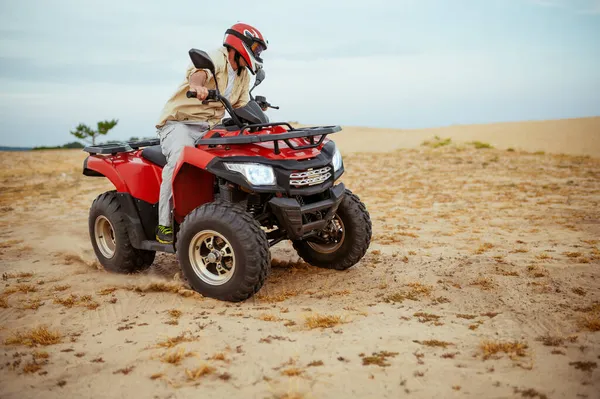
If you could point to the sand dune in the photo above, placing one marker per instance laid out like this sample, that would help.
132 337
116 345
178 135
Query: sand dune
566 136
483 279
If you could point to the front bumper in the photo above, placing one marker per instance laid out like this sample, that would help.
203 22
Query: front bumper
283 169
289 212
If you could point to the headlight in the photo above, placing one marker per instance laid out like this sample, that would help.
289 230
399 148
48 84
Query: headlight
337 160
256 174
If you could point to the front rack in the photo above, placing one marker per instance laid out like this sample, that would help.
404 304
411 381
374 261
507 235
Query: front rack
308 133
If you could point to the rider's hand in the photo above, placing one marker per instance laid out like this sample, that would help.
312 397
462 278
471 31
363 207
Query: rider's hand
201 92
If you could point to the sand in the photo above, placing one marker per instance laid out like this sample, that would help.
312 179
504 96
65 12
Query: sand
482 279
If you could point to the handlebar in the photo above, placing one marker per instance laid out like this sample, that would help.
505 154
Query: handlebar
212 95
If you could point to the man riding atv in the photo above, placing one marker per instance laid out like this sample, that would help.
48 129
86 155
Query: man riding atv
184 119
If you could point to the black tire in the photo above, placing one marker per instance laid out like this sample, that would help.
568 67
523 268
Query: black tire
247 240
125 258
357 237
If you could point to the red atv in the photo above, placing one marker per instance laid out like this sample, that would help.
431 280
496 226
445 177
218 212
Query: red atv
247 185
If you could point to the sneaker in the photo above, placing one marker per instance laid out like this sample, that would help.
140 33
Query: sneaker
164 234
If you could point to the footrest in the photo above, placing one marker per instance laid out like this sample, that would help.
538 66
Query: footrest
157 246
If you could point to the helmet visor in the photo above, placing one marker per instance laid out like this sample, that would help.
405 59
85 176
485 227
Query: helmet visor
257 48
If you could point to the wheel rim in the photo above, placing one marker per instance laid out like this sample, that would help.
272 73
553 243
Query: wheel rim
335 225
105 236
212 258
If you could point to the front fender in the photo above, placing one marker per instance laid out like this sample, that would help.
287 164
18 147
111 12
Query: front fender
192 184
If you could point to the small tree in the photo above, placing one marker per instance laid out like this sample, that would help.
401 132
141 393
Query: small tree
84 132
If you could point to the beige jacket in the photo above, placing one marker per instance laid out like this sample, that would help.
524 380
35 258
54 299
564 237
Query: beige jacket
181 108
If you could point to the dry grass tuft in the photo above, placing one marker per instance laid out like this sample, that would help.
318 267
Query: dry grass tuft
22 288
378 358
466 316
484 248
175 315
475 325
278 297
31 368
60 288
591 323
449 355
156 376
548 340
10 243
479 145
537 271
292 372
175 357
174 341
315 363
32 304
107 291
219 356
543 256
426 317
3 302
167 287
125 370
322 321
6 276
435 343
36 336
333 293
491 348
40 355
74 300
584 366
437 142
485 283
268 317
199 372
491 315
415 293
572 254
519 251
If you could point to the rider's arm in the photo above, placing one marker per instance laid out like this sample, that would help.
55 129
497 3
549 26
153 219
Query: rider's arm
198 78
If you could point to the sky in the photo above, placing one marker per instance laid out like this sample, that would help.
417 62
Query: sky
397 64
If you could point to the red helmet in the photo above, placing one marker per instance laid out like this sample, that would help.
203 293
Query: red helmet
248 42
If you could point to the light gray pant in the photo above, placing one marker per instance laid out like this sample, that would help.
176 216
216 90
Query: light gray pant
173 137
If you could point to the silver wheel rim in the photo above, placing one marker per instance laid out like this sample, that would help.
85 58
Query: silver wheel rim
212 258
334 246
105 236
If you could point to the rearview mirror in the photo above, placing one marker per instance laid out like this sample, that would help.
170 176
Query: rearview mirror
260 76
201 60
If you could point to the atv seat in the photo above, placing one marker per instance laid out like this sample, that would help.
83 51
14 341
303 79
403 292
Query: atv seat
154 154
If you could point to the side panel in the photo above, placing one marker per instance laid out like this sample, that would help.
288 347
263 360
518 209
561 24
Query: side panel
129 173
143 178
192 185
104 167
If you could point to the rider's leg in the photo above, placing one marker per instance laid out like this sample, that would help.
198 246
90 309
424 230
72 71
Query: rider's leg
173 137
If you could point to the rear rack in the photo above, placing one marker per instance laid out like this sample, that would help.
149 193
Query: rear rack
115 148
308 133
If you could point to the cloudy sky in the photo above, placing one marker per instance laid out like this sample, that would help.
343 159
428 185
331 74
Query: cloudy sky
397 63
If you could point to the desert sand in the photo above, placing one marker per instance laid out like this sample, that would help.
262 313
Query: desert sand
482 280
